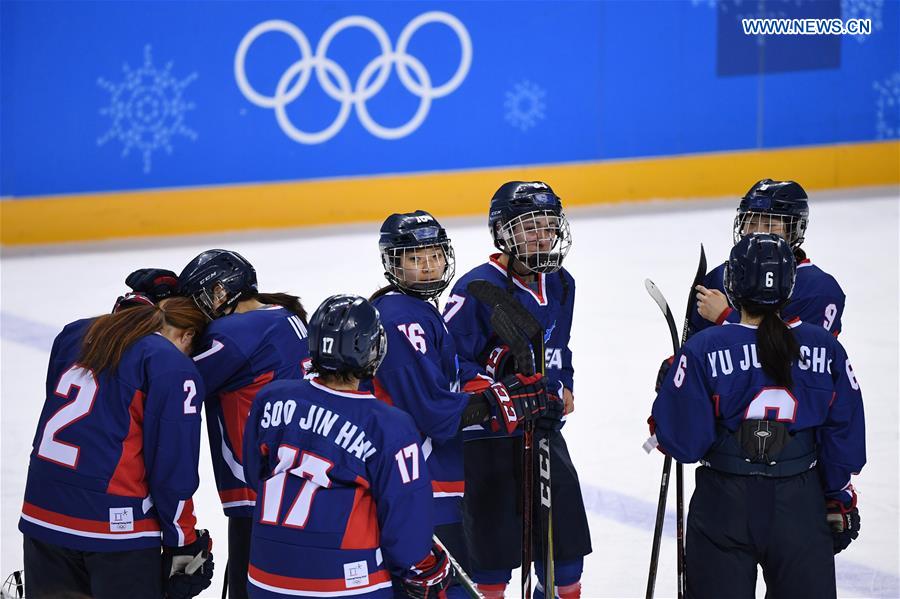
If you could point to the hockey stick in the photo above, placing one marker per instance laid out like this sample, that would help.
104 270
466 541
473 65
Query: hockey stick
657 296
522 319
461 577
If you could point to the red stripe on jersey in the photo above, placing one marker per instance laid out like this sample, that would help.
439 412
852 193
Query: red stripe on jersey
312 584
381 393
448 486
539 295
476 385
715 399
362 530
83 524
130 477
724 315
235 408
242 494
187 522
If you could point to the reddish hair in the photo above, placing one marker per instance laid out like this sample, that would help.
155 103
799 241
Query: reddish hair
111 335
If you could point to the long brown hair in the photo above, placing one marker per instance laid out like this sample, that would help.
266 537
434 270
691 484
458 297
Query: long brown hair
112 334
289 302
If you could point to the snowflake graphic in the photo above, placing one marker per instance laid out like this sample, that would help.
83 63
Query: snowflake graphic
887 107
525 105
864 9
146 109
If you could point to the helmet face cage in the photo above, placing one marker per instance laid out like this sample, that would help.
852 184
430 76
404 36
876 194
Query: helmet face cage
789 227
205 299
424 270
540 239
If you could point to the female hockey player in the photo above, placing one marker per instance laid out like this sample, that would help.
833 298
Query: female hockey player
343 485
254 338
782 208
115 458
530 229
419 374
774 414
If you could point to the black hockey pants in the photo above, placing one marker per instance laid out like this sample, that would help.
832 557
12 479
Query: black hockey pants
52 571
736 522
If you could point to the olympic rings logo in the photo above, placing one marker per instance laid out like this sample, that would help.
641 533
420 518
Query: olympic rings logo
371 80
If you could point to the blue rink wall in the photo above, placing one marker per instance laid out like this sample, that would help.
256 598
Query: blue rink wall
147 118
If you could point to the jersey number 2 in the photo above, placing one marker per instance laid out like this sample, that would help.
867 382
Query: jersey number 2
311 467
85 385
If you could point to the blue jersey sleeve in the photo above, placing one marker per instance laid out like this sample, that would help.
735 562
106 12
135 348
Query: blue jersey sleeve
401 486
219 359
842 437
567 374
824 310
684 410
416 384
172 450
469 323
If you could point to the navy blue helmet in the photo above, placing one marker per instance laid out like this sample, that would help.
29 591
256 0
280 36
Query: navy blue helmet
528 223
346 336
760 270
770 206
416 254
220 275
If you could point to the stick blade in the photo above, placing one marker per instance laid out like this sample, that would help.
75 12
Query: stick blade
656 294
515 338
492 295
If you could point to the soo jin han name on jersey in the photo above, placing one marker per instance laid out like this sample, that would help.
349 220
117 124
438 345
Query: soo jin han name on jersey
320 421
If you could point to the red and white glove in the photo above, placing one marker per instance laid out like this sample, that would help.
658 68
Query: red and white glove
431 576
516 399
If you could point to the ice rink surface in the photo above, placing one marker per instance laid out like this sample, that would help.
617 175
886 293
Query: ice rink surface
618 339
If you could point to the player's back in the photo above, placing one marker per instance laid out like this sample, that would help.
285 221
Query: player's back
722 365
89 474
254 347
344 492
239 355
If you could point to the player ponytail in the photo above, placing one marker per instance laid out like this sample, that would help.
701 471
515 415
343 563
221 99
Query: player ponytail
110 335
775 344
289 302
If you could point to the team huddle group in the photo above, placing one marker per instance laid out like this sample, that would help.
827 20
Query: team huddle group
383 448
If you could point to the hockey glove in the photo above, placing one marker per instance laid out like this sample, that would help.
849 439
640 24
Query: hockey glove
188 570
551 419
843 518
663 371
155 283
500 363
131 300
430 576
515 399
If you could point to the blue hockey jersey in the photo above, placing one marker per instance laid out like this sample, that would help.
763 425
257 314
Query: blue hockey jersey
344 492
717 378
114 459
551 300
817 299
241 353
420 376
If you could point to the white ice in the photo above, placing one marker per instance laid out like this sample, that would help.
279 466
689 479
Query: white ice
618 341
